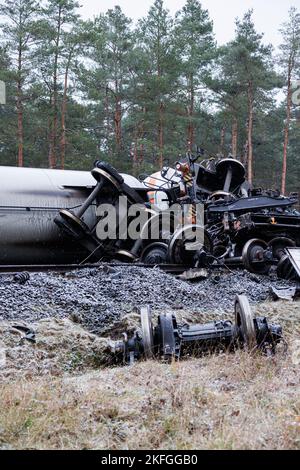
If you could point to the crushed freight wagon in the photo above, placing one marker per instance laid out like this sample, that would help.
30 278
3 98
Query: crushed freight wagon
51 216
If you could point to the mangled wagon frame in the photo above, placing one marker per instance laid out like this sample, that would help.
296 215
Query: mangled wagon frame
240 226
51 216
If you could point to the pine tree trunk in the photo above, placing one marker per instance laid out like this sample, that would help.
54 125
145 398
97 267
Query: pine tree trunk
234 141
250 133
141 159
135 156
118 121
161 135
287 128
107 115
244 156
160 110
20 128
135 153
222 142
53 126
20 132
191 107
63 117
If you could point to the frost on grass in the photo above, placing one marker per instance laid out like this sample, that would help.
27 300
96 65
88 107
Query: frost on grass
63 393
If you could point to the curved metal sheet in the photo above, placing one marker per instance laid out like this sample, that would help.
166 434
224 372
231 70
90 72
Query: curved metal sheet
30 199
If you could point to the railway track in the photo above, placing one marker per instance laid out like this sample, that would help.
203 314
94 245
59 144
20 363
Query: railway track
64 268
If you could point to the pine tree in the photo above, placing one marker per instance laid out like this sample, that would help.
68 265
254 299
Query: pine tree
8 134
101 89
229 95
76 44
158 79
106 82
196 46
18 30
117 58
254 73
58 17
290 62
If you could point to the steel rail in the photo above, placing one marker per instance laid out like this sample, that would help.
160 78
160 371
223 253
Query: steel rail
64 268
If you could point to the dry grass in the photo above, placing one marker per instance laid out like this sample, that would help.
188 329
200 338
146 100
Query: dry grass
230 401
224 402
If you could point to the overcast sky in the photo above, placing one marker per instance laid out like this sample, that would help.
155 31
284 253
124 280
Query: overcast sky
268 14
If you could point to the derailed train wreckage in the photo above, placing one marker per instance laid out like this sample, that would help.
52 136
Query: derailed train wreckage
240 226
51 217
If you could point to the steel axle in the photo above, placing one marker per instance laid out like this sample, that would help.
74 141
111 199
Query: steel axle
170 340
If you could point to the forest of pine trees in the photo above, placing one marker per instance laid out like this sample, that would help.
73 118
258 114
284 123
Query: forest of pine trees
139 95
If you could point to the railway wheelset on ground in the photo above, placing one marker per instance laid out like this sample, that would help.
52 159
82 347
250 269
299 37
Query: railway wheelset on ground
170 340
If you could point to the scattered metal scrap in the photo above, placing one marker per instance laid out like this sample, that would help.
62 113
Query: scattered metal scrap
294 254
195 274
289 264
170 340
29 333
285 293
22 278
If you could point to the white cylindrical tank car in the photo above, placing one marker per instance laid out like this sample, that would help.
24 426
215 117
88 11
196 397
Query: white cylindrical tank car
30 199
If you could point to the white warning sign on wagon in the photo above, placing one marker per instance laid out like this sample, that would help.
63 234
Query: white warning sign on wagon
2 92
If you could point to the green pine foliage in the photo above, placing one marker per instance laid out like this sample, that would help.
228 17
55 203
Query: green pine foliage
141 94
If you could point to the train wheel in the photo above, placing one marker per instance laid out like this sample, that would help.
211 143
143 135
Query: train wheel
71 224
147 332
244 320
253 256
186 242
125 255
155 253
160 226
279 244
168 334
217 195
112 178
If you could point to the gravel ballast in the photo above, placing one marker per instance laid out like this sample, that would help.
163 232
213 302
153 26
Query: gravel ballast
96 298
